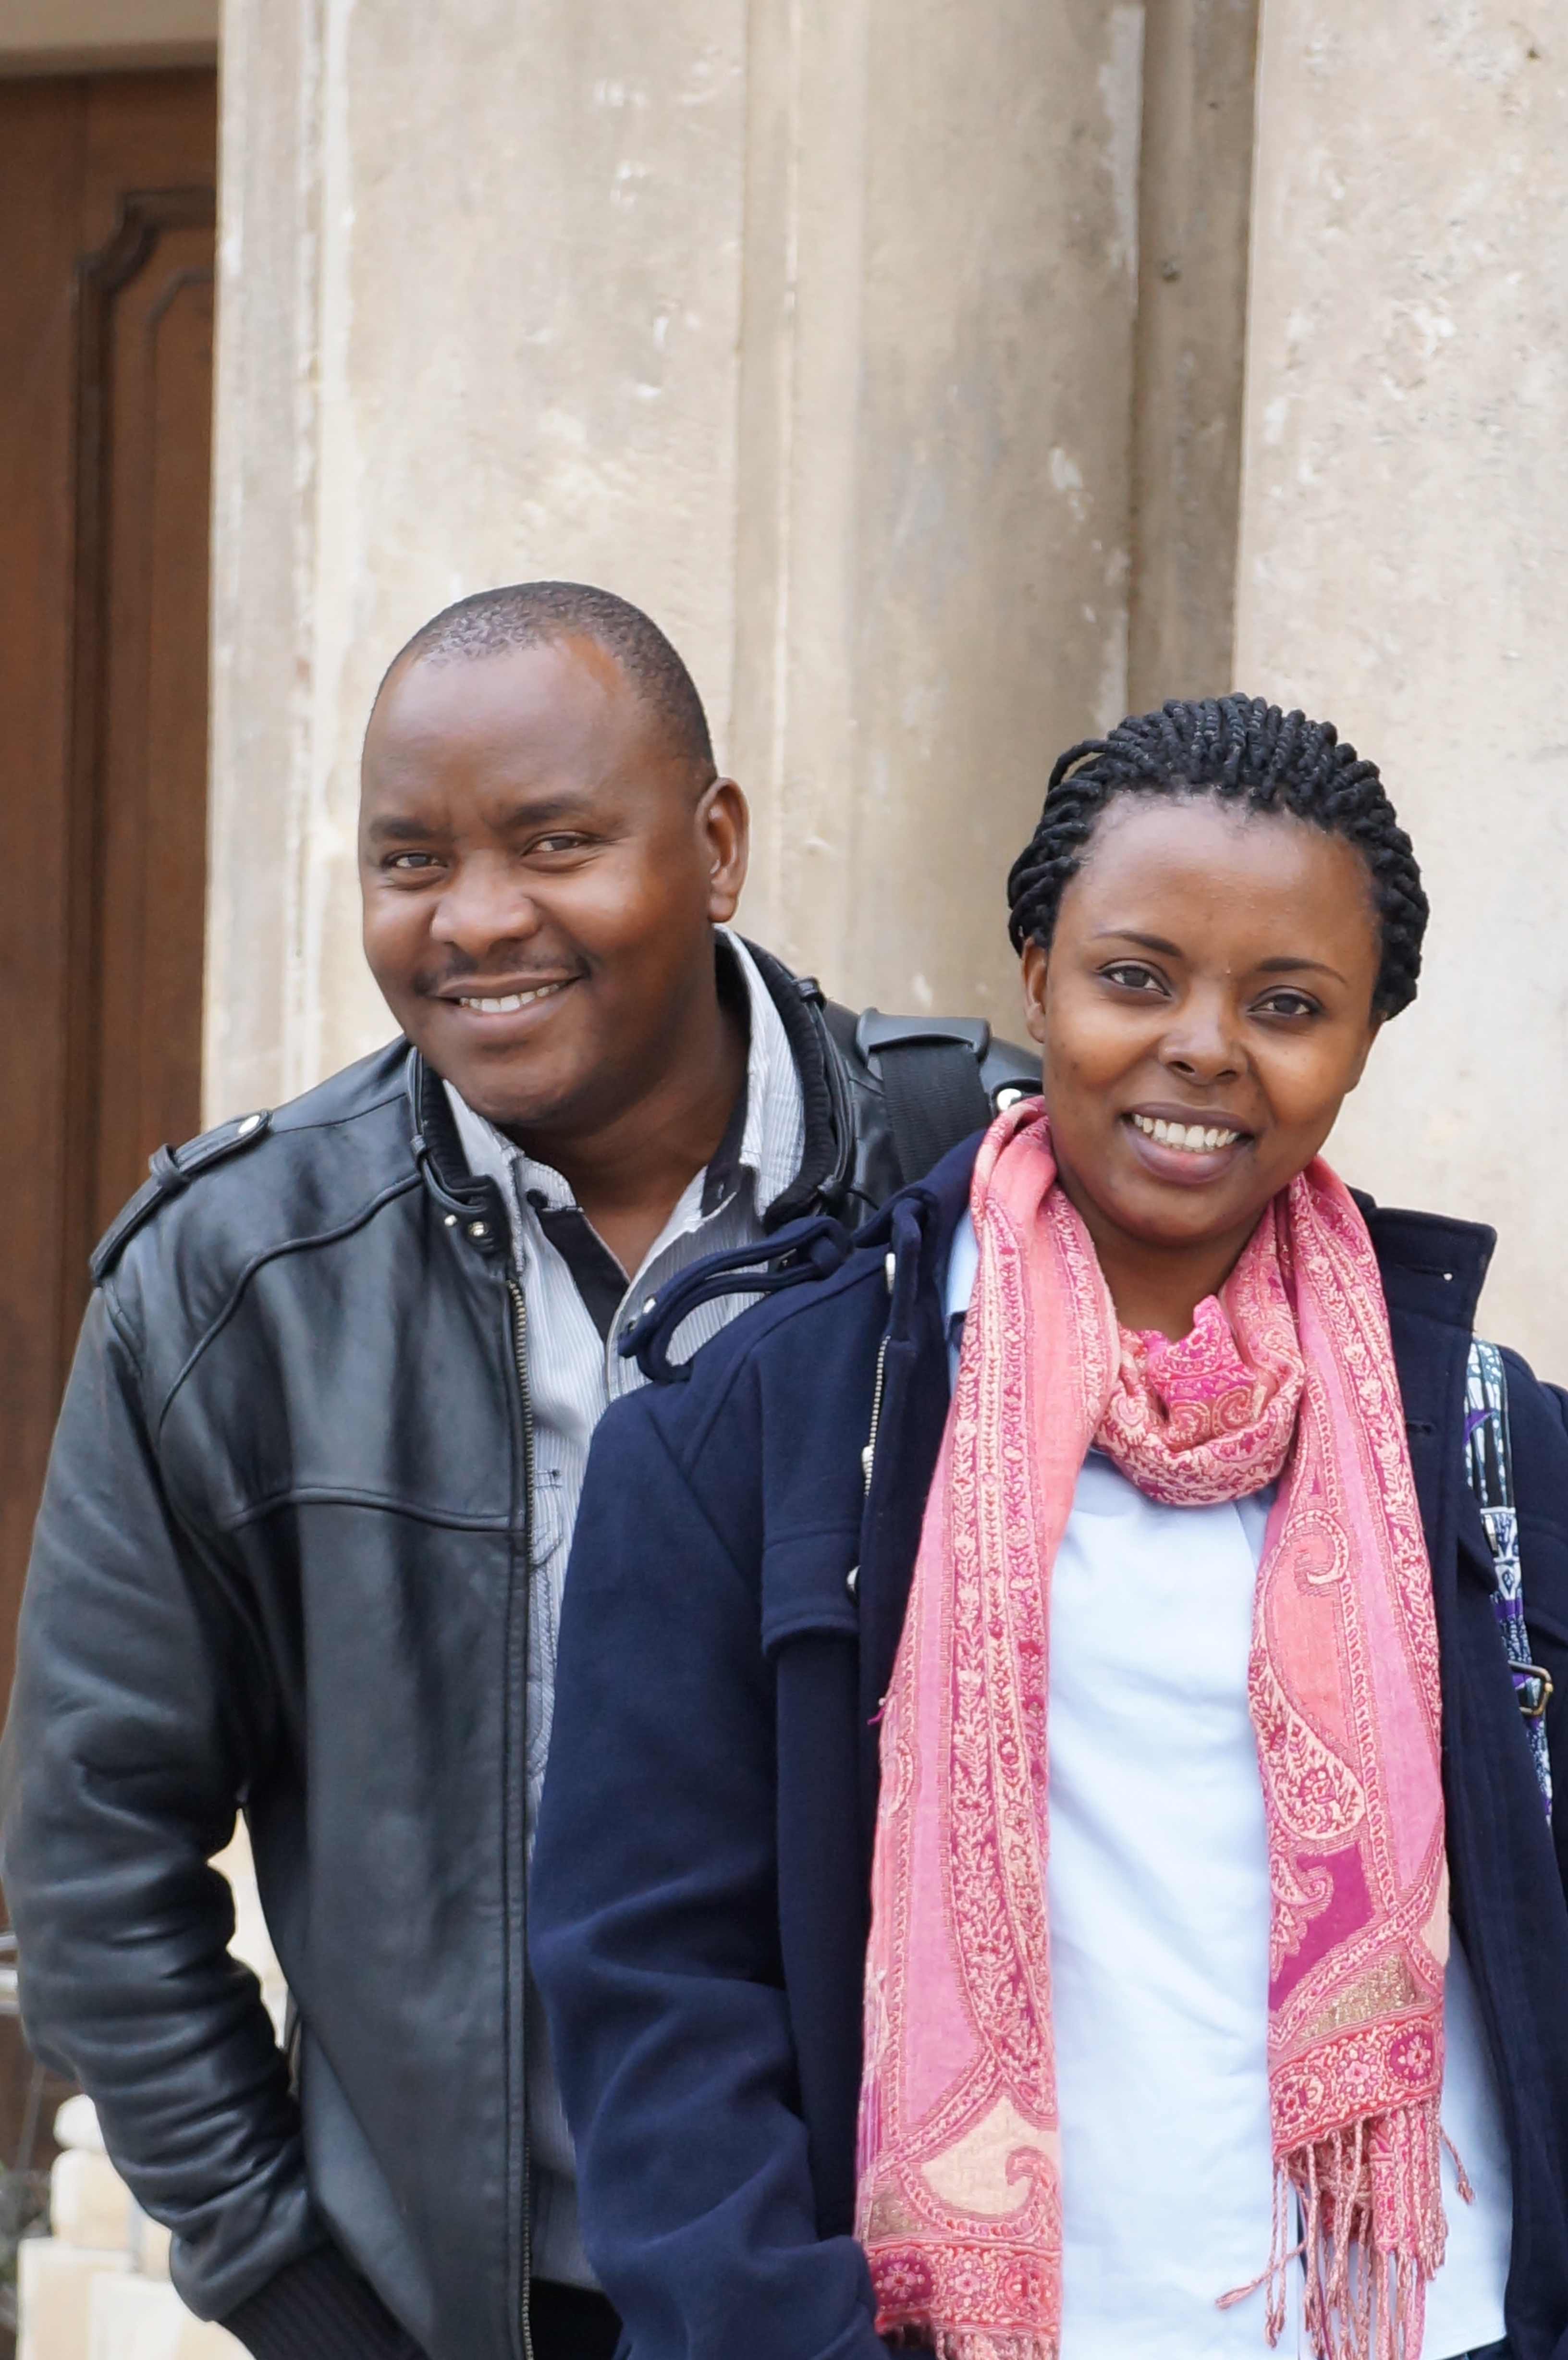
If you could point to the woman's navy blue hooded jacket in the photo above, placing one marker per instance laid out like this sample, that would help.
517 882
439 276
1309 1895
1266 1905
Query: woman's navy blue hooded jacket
699 1904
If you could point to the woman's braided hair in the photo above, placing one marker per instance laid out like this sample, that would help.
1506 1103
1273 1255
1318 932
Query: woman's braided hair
1243 751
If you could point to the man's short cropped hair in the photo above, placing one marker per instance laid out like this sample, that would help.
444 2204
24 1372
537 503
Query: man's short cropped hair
538 614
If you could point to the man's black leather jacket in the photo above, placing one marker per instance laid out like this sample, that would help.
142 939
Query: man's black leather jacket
281 1566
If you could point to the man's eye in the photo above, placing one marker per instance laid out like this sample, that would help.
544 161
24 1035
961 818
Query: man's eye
413 861
1134 976
560 843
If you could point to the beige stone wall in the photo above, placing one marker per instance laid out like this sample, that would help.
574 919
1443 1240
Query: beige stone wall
805 323
480 313
819 327
1404 557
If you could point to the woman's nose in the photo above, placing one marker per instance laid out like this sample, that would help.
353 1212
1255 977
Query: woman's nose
1203 1047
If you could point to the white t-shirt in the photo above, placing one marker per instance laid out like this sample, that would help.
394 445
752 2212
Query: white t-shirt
1157 1884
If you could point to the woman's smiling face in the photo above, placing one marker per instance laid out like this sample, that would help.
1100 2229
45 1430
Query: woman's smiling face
1203 1010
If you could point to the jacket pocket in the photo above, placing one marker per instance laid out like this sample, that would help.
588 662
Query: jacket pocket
807 1585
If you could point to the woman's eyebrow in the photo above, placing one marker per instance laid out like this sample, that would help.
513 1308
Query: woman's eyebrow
1292 965
1287 963
1145 942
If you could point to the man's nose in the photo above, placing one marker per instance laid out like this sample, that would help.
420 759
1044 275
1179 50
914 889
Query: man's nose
486 902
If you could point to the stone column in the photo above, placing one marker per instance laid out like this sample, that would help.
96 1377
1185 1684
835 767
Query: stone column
97 2288
932 584
1404 557
1194 209
808 327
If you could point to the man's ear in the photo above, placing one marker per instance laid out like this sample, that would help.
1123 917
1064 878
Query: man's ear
1035 964
725 824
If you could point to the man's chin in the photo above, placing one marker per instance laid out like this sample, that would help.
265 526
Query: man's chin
515 1088
519 1110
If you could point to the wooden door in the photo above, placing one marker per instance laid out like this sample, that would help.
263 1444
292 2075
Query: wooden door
106 252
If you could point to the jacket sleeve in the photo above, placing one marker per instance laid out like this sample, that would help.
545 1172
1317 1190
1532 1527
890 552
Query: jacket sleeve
139 1703
654 1936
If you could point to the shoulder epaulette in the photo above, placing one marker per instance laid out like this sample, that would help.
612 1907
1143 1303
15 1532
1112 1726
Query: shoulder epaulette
170 1171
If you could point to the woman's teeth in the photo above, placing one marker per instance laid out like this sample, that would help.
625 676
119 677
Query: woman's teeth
1190 1138
512 999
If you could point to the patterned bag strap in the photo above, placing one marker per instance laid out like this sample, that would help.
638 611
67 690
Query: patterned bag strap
1490 1459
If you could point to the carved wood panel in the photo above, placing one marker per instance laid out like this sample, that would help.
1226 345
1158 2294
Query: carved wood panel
138 706
107 256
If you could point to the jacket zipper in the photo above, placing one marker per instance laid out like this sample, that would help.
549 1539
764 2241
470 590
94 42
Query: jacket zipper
868 1456
521 1363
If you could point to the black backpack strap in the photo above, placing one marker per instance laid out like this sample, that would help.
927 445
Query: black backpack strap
930 1072
1489 1462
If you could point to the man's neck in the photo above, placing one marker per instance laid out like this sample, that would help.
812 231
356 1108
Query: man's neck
628 1174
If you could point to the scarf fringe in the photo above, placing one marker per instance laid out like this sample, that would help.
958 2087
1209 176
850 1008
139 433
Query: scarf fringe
1374 2235
971 2343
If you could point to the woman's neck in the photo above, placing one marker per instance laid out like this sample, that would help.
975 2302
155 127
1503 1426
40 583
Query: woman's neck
1156 1286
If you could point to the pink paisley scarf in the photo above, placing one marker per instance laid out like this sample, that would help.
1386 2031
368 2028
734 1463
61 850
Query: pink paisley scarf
1288 1373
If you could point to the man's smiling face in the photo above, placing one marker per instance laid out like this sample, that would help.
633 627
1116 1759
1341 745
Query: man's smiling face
541 870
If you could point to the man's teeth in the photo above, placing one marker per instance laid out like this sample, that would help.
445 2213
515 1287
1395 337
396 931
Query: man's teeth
1191 1137
512 999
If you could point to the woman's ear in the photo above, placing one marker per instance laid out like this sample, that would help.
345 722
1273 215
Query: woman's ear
1035 962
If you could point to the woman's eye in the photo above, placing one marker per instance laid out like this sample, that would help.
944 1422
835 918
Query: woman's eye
1288 1003
1134 976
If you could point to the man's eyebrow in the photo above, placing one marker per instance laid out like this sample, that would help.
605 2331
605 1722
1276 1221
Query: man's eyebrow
391 827
538 811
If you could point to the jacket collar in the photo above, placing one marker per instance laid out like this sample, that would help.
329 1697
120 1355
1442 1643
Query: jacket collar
1432 1267
1433 1270
941 1199
438 1150
827 1156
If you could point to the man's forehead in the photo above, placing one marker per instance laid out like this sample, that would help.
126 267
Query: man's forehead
572 684
539 721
